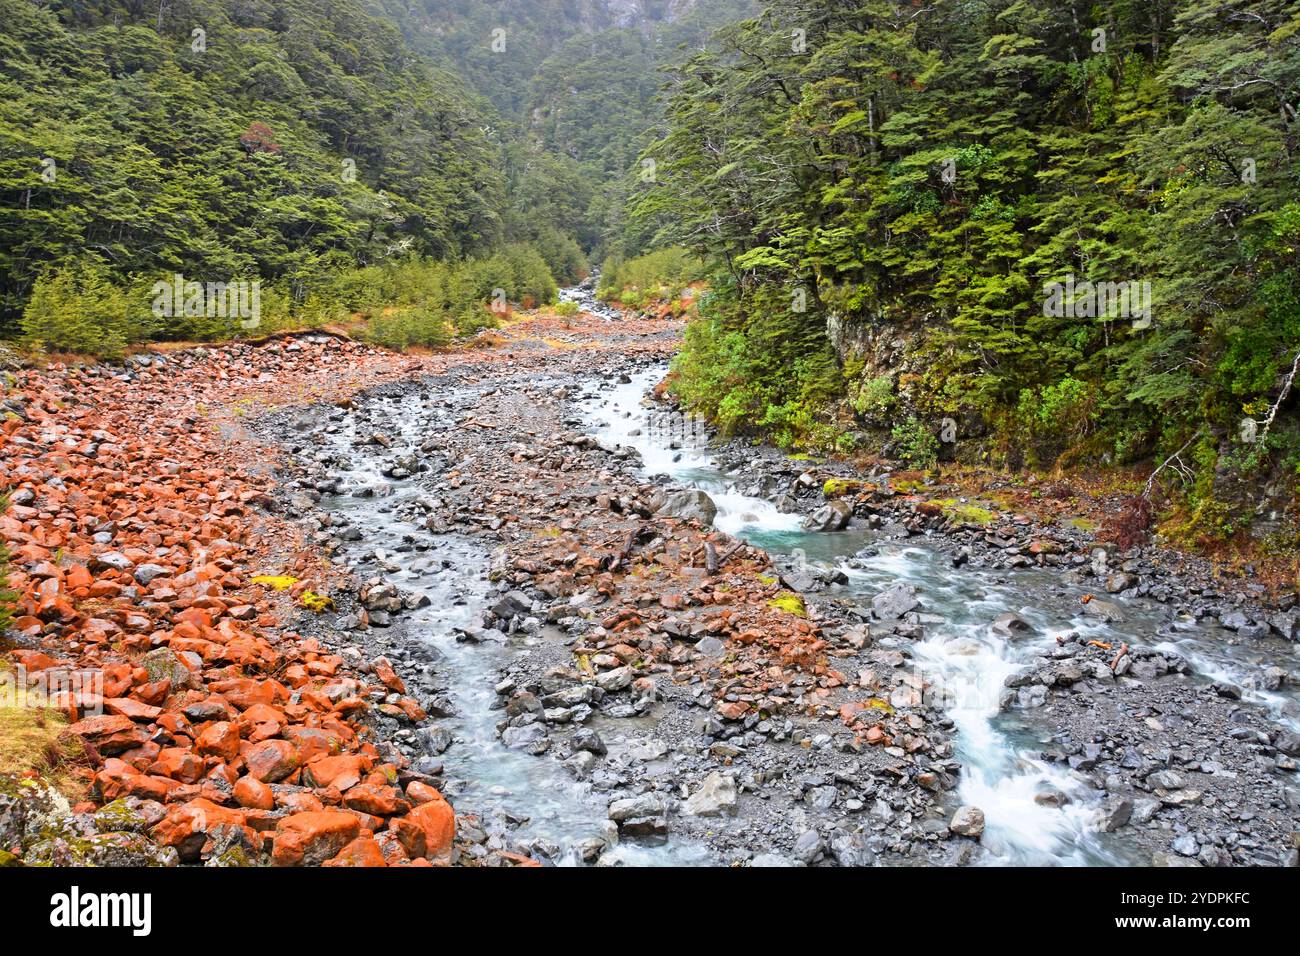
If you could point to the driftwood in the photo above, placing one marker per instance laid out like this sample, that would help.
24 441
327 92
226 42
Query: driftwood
713 562
614 561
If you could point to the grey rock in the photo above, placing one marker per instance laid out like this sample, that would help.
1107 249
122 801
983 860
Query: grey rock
808 847
688 504
717 795
1104 610
1116 813
147 572
630 808
1011 625
894 602
833 516
967 821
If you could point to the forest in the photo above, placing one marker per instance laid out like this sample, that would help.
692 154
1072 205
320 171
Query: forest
893 191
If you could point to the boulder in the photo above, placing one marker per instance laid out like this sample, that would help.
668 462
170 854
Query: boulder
309 839
716 796
689 504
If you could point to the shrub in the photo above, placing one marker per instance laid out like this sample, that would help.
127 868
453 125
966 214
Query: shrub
916 445
79 309
875 397
661 274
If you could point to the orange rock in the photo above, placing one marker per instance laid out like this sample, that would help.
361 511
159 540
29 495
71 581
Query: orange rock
119 779
363 851
419 793
110 733
410 834
298 801
219 739
378 801
129 707
438 821
178 764
387 676
186 827
254 794
343 771
271 760
309 839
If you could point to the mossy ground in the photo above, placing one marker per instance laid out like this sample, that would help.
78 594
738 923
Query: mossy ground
789 602
30 741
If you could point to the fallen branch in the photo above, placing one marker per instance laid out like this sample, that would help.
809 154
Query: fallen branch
1286 390
614 561
1175 457
710 558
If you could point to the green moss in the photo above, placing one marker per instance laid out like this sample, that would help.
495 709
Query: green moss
955 510
117 817
319 603
789 602
837 487
276 582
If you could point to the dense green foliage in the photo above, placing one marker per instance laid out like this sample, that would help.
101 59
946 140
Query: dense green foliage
574 85
926 169
292 142
285 141
661 274
424 302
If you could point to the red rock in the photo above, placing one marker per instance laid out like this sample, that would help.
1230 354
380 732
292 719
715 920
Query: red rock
309 839
410 834
271 760
118 779
219 739
378 801
363 851
186 827
34 661
733 710
438 821
391 848
178 764
110 733
419 793
299 801
128 707
254 794
387 676
154 692
343 771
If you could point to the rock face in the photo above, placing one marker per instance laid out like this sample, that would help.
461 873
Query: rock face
689 504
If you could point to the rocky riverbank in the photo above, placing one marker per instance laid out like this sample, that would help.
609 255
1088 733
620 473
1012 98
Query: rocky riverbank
395 585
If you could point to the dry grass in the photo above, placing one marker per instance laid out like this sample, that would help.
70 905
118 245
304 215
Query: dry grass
32 740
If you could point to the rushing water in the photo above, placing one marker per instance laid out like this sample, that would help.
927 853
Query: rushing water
1001 772
558 812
